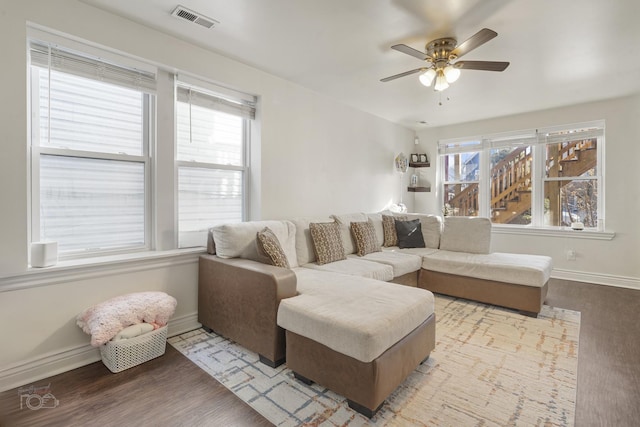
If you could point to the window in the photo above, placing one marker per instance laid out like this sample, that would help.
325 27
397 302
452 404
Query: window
212 153
90 160
461 166
543 178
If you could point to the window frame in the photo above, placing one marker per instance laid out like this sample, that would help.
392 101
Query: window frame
36 150
247 105
537 140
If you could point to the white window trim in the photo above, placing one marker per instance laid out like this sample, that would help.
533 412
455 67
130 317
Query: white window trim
117 261
88 268
38 34
197 85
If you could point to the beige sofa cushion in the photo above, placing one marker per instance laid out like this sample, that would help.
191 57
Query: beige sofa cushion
304 244
527 270
401 263
413 251
431 228
345 221
356 266
238 240
376 220
466 234
358 317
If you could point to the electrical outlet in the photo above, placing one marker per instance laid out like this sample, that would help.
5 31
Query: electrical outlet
571 255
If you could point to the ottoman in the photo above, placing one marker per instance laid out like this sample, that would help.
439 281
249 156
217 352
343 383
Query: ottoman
358 337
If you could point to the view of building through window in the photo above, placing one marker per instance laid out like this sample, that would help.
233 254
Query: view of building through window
569 182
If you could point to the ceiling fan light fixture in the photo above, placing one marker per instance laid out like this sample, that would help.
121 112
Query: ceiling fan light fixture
451 73
441 81
427 77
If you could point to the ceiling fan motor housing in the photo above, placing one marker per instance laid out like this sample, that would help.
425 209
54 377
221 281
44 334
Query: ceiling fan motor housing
439 50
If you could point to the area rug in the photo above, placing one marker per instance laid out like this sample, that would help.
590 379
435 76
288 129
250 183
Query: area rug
491 367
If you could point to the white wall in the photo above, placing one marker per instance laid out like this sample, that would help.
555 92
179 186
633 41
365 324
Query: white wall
598 261
315 156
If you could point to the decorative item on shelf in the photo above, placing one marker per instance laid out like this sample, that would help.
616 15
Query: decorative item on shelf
419 161
414 180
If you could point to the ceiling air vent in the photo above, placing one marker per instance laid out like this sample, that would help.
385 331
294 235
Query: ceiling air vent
198 18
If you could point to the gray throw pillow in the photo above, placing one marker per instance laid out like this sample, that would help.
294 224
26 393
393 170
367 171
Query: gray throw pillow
409 234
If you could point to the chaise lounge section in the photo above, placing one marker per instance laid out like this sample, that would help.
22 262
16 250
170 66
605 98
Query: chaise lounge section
465 267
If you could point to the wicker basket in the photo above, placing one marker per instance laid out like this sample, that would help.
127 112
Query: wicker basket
125 354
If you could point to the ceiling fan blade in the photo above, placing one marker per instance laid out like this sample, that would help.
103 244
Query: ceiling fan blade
410 51
482 65
476 40
406 73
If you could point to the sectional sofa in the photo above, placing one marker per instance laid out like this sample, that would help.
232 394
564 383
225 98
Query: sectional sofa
332 307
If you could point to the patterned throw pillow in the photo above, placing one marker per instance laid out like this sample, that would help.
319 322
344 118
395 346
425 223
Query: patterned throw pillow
364 235
389 229
327 242
269 245
410 234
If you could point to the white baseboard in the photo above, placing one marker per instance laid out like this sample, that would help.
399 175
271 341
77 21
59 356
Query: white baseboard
182 324
57 362
597 278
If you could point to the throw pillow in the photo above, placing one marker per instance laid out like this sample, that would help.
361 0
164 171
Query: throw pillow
327 242
409 234
269 245
364 235
389 229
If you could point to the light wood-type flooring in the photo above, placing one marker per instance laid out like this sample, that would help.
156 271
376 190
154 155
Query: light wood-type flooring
172 391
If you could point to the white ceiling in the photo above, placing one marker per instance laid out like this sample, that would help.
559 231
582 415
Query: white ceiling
561 52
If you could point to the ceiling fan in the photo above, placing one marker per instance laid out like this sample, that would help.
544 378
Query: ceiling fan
441 54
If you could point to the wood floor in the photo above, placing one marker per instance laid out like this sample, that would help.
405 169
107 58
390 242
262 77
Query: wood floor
172 391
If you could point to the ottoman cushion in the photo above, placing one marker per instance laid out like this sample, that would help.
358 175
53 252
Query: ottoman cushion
358 317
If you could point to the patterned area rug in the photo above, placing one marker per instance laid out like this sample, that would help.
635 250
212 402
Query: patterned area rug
490 367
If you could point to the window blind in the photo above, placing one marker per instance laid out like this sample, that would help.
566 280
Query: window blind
91 204
212 140
90 132
55 58
244 109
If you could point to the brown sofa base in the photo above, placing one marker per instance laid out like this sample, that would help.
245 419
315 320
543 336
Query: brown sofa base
526 299
239 298
409 279
365 385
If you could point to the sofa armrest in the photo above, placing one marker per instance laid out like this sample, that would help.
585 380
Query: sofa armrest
239 299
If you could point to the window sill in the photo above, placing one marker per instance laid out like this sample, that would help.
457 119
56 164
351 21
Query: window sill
555 232
79 269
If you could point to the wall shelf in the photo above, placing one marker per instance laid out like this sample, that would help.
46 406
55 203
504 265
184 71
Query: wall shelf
419 189
419 164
